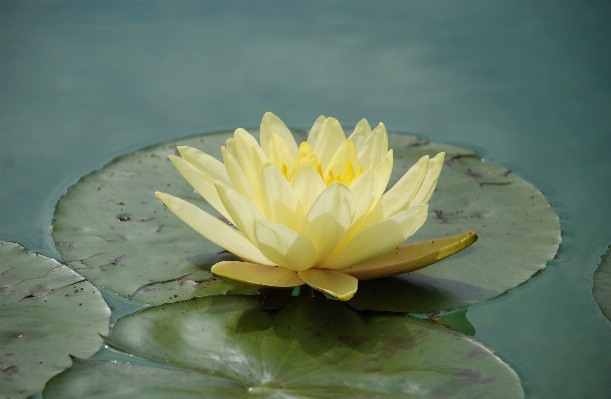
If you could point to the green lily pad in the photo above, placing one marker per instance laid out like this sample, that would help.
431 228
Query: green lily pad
518 233
47 312
602 284
110 228
311 348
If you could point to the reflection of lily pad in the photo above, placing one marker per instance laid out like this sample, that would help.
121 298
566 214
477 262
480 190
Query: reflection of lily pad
47 312
311 348
602 284
110 228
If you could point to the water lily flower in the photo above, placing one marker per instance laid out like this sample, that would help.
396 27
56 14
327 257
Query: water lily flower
315 213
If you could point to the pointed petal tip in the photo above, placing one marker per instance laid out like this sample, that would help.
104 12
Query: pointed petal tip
411 257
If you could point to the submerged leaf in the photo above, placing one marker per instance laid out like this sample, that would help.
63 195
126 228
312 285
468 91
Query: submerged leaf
602 284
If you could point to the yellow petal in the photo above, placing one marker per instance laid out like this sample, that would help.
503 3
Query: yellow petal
279 199
401 194
202 183
339 285
213 229
384 170
255 274
380 238
329 138
245 143
313 133
328 220
308 185
233 150
239 181
372 150
284 246
345 152
271 124
306 156
365 189
381 131
280 155
362 130
204 162
430 181
241 210
411 257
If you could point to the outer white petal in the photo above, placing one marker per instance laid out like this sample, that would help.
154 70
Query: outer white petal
204 162
271 124
430 181
380 238
284 246
214 230
280 201
201 182
328 220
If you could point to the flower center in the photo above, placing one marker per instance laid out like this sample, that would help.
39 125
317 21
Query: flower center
347 176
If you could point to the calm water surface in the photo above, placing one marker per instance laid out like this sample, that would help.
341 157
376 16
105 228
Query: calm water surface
527 84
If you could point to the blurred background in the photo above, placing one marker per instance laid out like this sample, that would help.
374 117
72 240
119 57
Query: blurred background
527 84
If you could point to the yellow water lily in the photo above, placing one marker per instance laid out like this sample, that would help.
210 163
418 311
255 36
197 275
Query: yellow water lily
315 213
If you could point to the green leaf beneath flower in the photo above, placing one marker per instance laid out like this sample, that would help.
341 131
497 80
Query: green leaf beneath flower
311 348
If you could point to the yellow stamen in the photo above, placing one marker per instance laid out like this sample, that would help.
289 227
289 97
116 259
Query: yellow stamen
319 170
349 173
330 179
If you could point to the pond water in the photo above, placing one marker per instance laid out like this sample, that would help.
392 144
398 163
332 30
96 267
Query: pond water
526 84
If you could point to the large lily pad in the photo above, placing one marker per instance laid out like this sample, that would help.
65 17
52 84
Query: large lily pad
311 348
47 312
110 228
518 232
602 284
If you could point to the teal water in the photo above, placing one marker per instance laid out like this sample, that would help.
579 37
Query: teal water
528 84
